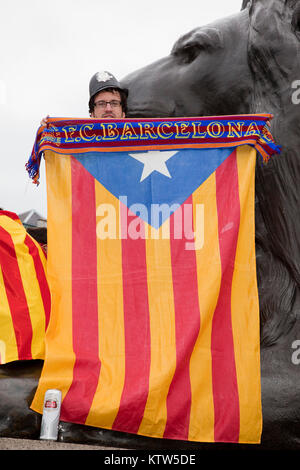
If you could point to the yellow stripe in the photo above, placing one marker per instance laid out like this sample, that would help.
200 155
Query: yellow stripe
209 278
245 308
162 330
111 316
8 344
58 367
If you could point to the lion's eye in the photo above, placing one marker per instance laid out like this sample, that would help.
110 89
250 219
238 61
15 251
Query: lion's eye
188 52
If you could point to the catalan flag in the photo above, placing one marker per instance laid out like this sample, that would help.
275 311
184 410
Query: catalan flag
24 293
154 327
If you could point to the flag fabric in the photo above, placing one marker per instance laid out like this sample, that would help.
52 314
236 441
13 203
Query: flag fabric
24 293
154 326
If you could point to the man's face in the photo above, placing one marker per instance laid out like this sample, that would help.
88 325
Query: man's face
111 110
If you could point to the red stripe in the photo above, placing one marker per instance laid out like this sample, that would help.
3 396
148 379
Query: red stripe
225 391
100 133
11 215
15 295
225 117
41 277
137 329
77 403
187 325
80 147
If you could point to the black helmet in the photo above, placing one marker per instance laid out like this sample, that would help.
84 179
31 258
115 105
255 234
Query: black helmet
102 80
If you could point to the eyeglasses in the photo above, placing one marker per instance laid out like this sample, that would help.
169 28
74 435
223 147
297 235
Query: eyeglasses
103 104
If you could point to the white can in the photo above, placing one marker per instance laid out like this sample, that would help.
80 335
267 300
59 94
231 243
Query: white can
51 414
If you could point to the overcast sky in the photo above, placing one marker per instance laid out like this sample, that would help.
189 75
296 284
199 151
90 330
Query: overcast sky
50 50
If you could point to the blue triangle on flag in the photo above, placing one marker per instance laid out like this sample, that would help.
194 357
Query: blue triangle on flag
121 174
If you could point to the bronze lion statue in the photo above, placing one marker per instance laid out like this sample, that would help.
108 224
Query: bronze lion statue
246 63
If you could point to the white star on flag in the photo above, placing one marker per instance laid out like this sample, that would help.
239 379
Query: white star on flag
154 160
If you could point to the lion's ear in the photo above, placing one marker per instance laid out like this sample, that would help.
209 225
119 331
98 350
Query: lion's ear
296 21
246 4
188 47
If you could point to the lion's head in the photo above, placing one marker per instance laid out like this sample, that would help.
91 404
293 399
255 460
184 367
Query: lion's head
246 63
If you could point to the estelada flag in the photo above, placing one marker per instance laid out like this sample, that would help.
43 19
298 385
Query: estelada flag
24 293
154 327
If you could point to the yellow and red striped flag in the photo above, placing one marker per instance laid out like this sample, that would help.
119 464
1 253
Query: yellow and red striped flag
24 293
151 263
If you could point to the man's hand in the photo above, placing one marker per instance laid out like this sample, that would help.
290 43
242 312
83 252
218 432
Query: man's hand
44 121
